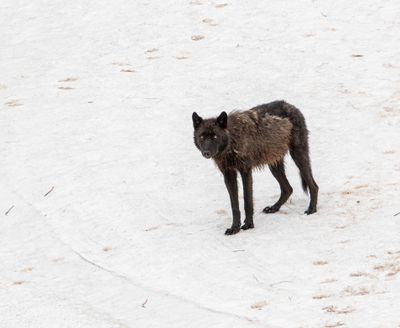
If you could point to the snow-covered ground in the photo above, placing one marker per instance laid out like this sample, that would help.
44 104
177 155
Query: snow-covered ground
96 100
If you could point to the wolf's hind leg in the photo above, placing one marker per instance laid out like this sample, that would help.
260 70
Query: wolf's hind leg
278 171
302 160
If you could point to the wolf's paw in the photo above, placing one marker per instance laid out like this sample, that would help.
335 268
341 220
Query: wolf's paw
246 226
310 211
232 231
271 209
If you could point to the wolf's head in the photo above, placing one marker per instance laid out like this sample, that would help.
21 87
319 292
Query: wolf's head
210 135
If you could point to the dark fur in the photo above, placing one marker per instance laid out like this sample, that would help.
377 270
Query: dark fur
261 136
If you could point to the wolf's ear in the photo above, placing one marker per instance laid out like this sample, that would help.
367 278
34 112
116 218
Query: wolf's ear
222 120
196 120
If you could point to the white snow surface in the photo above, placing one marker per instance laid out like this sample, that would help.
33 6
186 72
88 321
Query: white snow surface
96 100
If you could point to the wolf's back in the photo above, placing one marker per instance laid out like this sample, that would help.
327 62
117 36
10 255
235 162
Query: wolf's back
285 110
299 131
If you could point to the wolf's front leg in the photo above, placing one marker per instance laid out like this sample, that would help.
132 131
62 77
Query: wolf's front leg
248 198
230 177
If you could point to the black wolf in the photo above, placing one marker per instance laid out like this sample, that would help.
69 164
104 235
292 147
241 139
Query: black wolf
261 136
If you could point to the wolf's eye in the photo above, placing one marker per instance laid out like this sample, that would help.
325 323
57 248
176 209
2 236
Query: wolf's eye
201 137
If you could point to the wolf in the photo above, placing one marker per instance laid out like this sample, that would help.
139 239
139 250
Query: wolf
252 139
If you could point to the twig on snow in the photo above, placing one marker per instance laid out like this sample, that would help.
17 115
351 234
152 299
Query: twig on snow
52 188
279 282
397 214
144 303
255 277
9 210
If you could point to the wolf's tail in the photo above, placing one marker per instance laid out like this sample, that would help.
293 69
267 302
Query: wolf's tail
299 149
304 184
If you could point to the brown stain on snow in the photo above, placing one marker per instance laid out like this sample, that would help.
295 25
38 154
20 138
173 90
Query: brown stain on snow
197 37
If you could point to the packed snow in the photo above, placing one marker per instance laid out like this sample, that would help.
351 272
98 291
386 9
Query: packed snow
112 218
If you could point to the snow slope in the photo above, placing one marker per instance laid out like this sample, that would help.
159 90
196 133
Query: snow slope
96 100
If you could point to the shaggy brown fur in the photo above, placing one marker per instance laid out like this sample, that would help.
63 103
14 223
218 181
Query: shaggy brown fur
255 140
252 139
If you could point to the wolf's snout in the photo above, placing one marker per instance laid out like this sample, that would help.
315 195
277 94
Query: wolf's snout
206 154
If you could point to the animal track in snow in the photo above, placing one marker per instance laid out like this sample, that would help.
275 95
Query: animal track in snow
222 212
69 79
197 37
19 282
152 228
328 281
28 269
65 88
334 324
362 274
335 309
259 305
148 51
195 3
127 70
321 296
388 112
183 56
351 291
14 103
389 65
151 53
209 21
107 248
120 64
391 264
